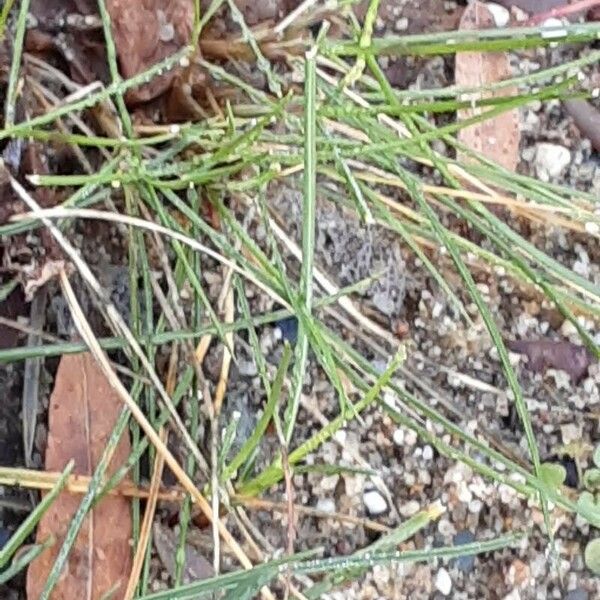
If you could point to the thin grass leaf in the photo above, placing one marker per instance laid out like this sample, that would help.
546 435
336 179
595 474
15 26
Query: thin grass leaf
6 8
113 68
25 560
486 40
222 583
308 239
105 93
29 524
262 63
15 64
368 560
252 442
384 544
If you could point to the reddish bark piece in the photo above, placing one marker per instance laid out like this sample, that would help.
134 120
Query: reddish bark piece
553 354
146 32
82 413
496 138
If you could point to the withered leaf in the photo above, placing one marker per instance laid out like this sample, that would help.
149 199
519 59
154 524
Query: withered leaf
146 32
496 138
82 413
554 354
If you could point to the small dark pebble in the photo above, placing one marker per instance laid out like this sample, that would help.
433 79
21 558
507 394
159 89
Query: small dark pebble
464 563
577 594
572 479
289 329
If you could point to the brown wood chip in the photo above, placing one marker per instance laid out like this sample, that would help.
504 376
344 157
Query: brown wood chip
496 138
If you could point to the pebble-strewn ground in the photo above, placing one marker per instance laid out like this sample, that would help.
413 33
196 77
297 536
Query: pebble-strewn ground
442 351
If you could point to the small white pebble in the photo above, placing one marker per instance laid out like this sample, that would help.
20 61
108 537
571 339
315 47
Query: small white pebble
446 528
427 452
326 505
443 583
409 509
553 28
551 160
399 437
410 439
592 228
500 14
375 503
570 433
401 24
340 436
464 493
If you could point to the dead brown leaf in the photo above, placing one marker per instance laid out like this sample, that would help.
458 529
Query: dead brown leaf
82 413
554 354
496 138
146 32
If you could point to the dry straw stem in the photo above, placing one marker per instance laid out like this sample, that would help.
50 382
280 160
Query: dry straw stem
77 484
89 213
159 463
140 552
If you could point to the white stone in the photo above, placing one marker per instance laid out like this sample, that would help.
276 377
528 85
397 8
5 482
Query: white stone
458 473
500 14
443 583
592 228
399 437
340 436
553 28
446 528
551 160
409 509
401 24
410 439
326 505
464 493
570 433
427 452
375 503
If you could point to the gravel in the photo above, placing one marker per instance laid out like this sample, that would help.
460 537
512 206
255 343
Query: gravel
551 160
443 582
